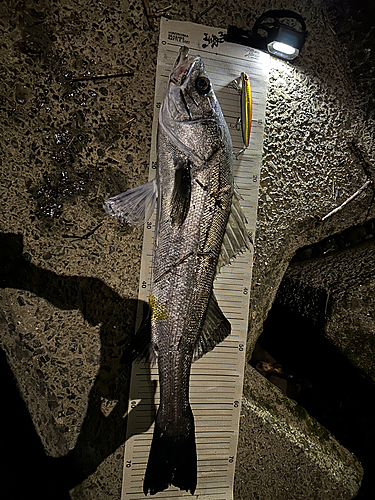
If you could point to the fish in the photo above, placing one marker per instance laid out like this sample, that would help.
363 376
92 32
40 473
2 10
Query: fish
199 228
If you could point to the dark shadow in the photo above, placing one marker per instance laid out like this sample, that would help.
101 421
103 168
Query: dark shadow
339 396
100 436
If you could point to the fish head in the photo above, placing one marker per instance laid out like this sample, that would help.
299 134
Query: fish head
190 113
190 95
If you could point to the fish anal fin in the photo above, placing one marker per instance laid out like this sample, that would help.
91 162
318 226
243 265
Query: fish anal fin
134 206
180 202
236 238
215 329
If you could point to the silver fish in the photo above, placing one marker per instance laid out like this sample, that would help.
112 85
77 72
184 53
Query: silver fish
199 227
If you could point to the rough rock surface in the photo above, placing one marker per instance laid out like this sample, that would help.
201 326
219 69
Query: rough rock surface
337 289
70 284
311 463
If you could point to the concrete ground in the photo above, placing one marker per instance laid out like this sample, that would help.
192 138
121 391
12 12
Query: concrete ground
69 287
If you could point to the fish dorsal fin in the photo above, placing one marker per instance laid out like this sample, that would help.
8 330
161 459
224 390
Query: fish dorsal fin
180 202
134 206
236 238
215 329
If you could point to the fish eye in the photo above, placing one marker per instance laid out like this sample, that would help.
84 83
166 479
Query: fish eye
203 85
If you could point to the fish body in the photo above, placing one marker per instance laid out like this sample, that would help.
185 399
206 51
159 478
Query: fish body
199 228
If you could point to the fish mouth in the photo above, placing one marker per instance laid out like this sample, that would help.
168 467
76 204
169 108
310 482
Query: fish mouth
182 67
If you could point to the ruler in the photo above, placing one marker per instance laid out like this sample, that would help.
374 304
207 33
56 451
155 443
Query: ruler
217 378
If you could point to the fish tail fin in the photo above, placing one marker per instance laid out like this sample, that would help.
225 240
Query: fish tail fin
172 460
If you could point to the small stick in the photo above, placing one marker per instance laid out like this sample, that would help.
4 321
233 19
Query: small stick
146 5
126 124
362 188
160 12
204 12
70 142
333 31
97 193
129 121
327 300
87 329
85 236
103 77
324 19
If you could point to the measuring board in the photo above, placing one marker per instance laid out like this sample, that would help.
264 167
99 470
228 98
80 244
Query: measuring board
217 378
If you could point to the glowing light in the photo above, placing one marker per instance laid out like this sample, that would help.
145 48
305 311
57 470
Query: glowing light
282 50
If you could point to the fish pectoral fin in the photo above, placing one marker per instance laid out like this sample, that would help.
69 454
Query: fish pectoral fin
215 329
180 202
236 238
134 206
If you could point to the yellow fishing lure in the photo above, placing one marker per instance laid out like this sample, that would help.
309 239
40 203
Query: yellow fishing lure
246 108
